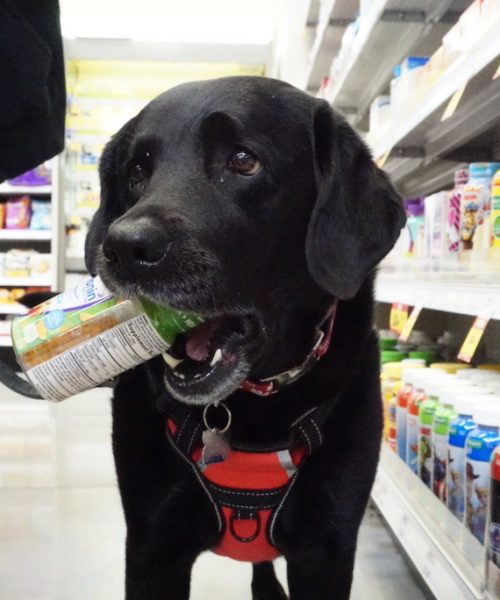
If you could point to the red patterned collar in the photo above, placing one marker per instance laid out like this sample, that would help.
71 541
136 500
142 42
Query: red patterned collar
271 385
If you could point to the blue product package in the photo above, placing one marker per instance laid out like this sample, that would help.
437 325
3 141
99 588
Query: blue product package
41 216
460 427
480 444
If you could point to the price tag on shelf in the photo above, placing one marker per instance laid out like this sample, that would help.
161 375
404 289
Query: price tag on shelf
381 160
474 336
410 323
398 317
453 103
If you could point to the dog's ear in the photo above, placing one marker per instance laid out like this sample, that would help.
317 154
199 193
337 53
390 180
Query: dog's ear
113 190
358 215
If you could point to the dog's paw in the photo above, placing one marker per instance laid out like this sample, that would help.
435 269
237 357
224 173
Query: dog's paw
276 593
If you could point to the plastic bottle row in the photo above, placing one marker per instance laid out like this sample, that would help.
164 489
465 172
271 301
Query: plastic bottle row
444 423
456 227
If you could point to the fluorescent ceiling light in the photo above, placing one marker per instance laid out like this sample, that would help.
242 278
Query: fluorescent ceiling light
174 28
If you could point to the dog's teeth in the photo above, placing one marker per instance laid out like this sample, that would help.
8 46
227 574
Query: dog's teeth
171 361
179 375
216 357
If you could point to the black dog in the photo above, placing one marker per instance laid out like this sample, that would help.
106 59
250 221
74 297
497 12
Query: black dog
248 202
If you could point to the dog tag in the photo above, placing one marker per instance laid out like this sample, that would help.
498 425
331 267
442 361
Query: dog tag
215 446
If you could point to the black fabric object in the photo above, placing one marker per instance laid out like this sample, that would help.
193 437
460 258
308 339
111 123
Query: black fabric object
32 84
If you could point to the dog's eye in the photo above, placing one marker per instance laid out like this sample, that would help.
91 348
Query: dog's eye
244 162
139 171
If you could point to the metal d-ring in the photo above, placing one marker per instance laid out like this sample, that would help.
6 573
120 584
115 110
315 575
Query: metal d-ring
216 405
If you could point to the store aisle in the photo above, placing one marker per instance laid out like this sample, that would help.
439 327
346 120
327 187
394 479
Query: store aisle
61 526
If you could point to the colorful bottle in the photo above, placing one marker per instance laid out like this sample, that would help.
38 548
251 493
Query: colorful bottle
402 409
425 419
391 376
85 336
475 210
440 428
414 402
493 539
454 203
391 438
445 414
480 444
459 429
495 212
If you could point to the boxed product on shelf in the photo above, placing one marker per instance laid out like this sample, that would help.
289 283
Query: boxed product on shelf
41 214
436 221
25 263
475 210
455 229
41 175
18 213
495 211
380 110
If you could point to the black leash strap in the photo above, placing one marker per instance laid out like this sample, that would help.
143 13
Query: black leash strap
15 382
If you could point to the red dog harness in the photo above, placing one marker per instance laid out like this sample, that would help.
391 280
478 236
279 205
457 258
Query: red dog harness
249 486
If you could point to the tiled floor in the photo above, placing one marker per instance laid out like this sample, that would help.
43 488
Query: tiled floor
61 526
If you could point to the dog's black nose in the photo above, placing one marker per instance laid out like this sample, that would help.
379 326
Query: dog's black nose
132 244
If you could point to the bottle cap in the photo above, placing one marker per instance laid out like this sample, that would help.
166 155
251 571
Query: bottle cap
413 363
488 414
410 376
392 369
463 405
451 393
461 176
390 356
484 170
450 367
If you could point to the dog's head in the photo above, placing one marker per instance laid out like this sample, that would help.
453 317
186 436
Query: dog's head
246 201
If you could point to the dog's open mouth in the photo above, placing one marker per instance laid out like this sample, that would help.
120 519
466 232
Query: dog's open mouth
210 361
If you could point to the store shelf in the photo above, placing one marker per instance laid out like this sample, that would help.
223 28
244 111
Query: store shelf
392 30
25 281
76 264
329 32
32 190
25 234
12 308
418 120
449 558
453 292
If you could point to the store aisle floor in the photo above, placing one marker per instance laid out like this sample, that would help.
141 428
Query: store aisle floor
61 525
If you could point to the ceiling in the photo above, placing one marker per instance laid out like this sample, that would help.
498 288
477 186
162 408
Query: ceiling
193 21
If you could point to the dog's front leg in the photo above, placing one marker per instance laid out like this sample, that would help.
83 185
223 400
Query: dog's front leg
322 577
155 576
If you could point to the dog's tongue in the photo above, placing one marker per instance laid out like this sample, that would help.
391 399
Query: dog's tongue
198 340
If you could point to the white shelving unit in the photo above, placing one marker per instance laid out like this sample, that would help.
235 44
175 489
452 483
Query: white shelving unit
334 18
12 308
41 239
25 282
38 190
392 30
55 236
448 557
25 234
449 292
423 151
458 74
